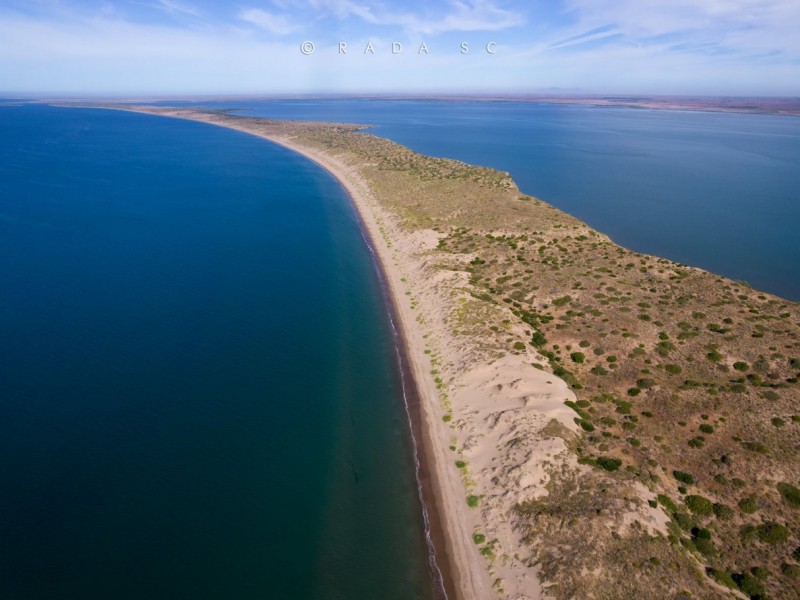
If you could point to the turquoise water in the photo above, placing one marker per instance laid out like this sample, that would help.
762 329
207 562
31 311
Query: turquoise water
714 190
199 393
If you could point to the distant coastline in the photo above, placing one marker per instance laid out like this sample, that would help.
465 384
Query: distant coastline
764 105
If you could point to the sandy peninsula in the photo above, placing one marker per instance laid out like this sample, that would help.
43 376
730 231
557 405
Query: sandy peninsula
595 423
488 402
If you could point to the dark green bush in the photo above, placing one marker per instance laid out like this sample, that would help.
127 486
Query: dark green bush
683 477
790 493
700 505
608 463
578 357
772 533
706 428
741 366
672 369
751 586
722 577
749 505
667 503
723 512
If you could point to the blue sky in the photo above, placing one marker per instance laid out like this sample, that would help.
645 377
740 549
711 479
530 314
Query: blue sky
144 47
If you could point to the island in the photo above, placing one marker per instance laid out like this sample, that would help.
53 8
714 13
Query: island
593 422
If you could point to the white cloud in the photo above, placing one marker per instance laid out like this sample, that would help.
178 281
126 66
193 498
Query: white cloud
277 24
172 6
463 15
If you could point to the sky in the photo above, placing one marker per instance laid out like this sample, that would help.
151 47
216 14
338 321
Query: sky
196 47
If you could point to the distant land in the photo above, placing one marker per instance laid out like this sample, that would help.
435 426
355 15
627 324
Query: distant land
789 106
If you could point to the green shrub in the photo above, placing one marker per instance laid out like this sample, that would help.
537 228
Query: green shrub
578 357
700 505
749 505
460 464
538 340
667 503
722 577
705 546
772 533
748 533
792 571
714 356
478 538
751 586
472 501
598 370
645 383
778 422
608 463
684 520
741 366
723 512
585 425
706 428
672 369
683 477
790 493
634 391
624 407
519 346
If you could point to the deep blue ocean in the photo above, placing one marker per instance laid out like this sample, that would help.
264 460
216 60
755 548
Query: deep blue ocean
199 393
719 191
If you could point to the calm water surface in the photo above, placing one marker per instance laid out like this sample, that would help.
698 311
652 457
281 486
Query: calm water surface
198 384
